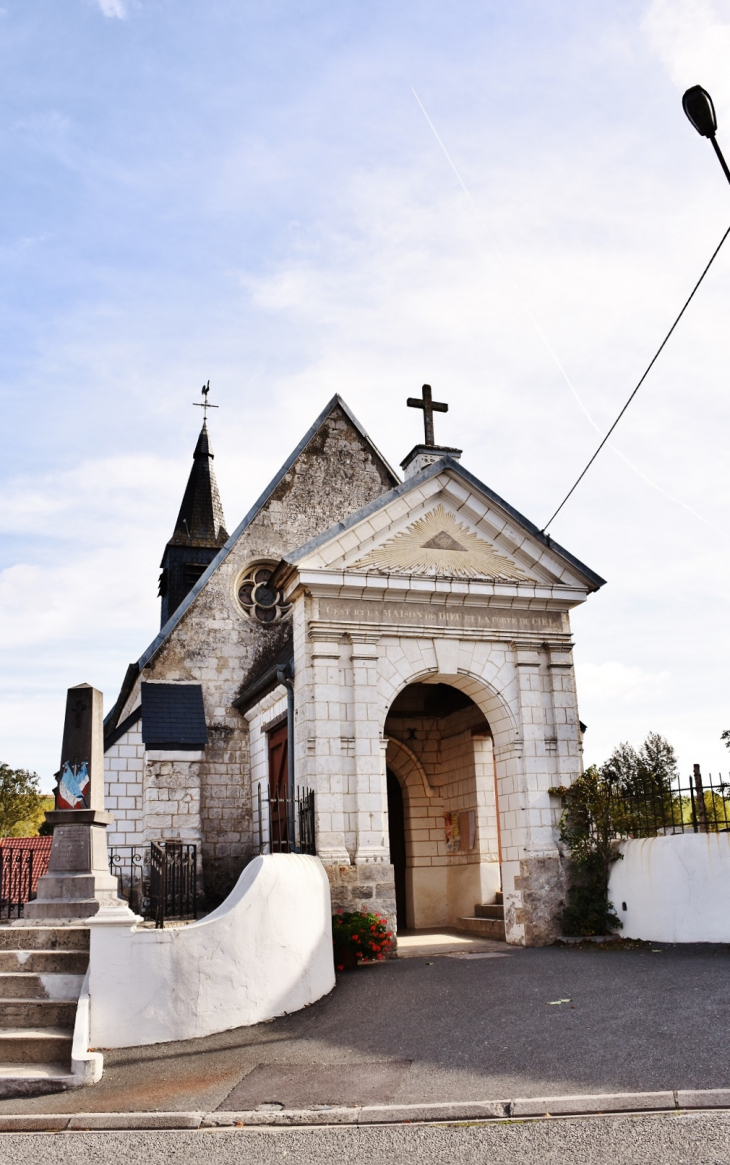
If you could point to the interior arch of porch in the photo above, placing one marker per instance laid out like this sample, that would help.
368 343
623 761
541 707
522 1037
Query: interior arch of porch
482 686
482 678
440 750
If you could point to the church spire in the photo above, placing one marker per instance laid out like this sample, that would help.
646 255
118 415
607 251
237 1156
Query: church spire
200 521
199 530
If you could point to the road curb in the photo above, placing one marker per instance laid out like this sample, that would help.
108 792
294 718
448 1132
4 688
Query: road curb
596 1104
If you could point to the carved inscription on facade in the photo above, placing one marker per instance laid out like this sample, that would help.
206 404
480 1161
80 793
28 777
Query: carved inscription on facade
429 615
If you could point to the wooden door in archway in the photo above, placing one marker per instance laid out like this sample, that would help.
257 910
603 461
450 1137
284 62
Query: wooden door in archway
278 789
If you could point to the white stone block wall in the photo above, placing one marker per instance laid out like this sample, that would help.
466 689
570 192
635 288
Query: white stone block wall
172 796
124 765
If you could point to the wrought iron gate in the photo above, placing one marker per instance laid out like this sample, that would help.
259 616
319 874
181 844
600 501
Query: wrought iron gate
158 880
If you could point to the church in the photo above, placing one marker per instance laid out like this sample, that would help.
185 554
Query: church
375 670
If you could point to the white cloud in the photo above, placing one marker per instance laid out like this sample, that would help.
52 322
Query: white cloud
113 8
614 680
692 39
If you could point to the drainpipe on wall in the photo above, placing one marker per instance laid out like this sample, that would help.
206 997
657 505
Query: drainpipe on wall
286 681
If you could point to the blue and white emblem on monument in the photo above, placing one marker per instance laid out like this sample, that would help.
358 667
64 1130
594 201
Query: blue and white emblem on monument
73 786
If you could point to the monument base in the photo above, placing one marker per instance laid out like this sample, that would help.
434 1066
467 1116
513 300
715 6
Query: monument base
78 883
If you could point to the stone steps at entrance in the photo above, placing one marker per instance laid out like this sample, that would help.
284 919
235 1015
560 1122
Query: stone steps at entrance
44 938
489 911
41 975
484 927
488 920
28 1045
63 961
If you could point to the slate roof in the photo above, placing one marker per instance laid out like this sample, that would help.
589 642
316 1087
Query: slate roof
173 716
200 521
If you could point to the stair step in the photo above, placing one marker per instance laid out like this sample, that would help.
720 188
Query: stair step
32 1071
485 927
40 1079
33 985
26 1045
44 938
37 1013
489 910
45 962
499 898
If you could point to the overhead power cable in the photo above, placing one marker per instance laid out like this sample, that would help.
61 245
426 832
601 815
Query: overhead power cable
540 333
651 364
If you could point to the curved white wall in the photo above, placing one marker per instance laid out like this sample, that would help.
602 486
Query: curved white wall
266 951
676 888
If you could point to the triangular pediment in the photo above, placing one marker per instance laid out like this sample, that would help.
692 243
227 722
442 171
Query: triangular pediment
439 545
442 524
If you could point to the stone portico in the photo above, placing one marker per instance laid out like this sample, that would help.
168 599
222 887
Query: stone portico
366 632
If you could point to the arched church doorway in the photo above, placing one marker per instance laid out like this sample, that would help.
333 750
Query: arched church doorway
443 812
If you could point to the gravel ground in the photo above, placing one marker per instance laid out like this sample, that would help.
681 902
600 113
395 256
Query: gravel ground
699 1139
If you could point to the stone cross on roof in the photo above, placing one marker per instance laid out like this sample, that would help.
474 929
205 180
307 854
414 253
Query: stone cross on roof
429 407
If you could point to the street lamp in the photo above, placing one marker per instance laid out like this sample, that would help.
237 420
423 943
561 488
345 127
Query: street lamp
697 104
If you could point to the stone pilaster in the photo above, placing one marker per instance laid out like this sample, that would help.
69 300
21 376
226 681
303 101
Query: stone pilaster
322 763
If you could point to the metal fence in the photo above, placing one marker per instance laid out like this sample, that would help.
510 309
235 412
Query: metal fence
158 880
286 824
16 881
701 806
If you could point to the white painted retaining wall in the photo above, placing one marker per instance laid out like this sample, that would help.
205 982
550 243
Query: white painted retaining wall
676 889
266 951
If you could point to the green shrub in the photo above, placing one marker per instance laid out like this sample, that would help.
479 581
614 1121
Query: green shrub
587 830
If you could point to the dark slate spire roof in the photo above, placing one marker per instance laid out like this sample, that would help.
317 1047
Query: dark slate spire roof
200 521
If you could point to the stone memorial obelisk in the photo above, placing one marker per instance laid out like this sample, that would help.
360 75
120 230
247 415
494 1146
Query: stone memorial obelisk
78 883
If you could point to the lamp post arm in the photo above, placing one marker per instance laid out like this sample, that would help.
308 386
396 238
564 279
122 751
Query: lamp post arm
720 156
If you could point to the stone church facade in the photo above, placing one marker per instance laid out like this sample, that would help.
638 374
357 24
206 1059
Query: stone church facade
407 643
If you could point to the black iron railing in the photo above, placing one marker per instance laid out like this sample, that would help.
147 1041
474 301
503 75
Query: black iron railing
286 824
158 880
16 881
701 806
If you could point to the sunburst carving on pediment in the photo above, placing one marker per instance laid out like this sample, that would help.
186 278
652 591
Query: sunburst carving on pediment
441 546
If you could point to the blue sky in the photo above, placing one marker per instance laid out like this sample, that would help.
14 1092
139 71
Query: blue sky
251 194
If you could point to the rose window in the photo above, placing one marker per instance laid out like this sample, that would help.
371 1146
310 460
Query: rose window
259 599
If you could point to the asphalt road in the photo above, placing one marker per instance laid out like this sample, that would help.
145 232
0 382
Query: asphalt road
448 1029
699 1139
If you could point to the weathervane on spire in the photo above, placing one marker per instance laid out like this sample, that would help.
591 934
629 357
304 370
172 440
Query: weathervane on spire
205 405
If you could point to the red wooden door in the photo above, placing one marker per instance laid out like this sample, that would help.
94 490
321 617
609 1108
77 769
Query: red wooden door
278 788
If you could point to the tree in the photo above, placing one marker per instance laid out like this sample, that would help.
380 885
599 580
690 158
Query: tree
650 770
726 737
641 782
20 798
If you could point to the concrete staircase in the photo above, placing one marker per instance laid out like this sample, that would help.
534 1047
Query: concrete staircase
42 970
488 920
